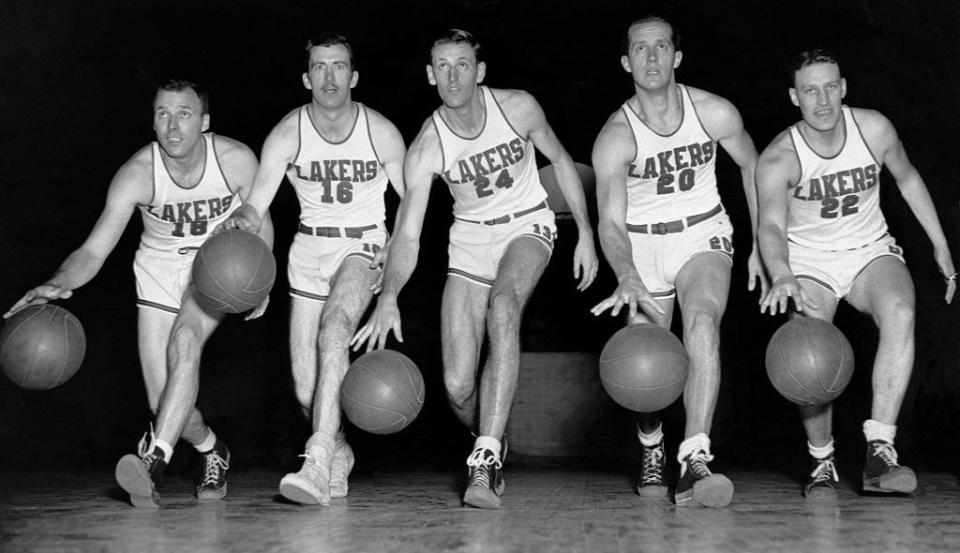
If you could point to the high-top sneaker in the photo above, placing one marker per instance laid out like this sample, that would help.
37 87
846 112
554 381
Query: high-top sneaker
883 474
651 483
484 480
213 477
700 486
140 474
311 484
820 485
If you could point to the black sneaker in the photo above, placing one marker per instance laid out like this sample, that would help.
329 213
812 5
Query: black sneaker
213 476
882 473
139 475
700 486
650 483
820 486
484 480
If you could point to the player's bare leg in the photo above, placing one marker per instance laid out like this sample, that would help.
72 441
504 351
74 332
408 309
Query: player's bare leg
885 291
317 481
702 288
818 419
520 269
462 314
170 354
650 480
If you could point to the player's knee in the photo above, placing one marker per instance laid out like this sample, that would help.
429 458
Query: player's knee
898 318
702 324
459 390
503 315
336 325
186 343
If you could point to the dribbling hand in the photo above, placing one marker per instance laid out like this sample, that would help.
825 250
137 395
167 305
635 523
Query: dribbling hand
244 218
632 293
40 294
385 318
777 297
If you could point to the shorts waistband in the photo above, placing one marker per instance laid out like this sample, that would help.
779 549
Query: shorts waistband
860 247
335 232
508 217
678 225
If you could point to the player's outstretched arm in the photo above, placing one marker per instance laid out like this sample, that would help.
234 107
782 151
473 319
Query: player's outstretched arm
724 124
884 140
132 185
423 162
777 169
612 153
278 152
524 109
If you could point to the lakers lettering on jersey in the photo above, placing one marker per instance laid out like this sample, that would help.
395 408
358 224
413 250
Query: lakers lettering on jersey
672 175
338 184
836 203
492 174
179 217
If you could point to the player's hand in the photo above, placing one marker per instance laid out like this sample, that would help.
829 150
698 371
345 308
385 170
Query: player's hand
244 218
38 295
385 318
585 263
945 262
632 293
755 273
259 310
778 296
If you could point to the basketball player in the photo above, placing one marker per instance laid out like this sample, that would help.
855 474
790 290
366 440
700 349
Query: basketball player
667 237
184 184
338 154
480 142
824 239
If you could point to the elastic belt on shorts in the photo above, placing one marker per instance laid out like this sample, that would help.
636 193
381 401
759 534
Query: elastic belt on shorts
508 217
674 226
335 232
188 249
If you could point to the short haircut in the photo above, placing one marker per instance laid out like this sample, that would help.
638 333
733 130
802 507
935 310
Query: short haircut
458 36
179 85
653 18
807 58
327 40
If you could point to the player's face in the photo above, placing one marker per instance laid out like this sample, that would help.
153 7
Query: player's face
178 121
455 72
651 57
818 91
330 75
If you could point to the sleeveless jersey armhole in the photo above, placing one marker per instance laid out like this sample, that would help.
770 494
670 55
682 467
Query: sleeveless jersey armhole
693 107
503 114
863 138
443 154
796 154
633 132
216 159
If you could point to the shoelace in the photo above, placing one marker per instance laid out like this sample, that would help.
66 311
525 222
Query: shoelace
215 463
824 471
144 446
311 464
698 464
652 465
479 462
886 452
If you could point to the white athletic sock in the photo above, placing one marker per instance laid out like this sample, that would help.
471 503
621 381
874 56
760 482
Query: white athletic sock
651 439
208 442
693 444
488 442
820 452
874 430
166 448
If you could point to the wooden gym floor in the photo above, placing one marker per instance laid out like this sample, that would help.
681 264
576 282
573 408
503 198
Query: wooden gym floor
543 511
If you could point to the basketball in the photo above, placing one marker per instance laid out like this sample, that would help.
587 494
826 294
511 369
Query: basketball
809 361
41 347
233 271
382 392
643 367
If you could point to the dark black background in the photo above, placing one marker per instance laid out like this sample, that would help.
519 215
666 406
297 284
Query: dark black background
75 93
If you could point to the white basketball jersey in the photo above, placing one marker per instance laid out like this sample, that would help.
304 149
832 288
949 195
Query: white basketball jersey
339 184
672 175
178 217
494 173
836 203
